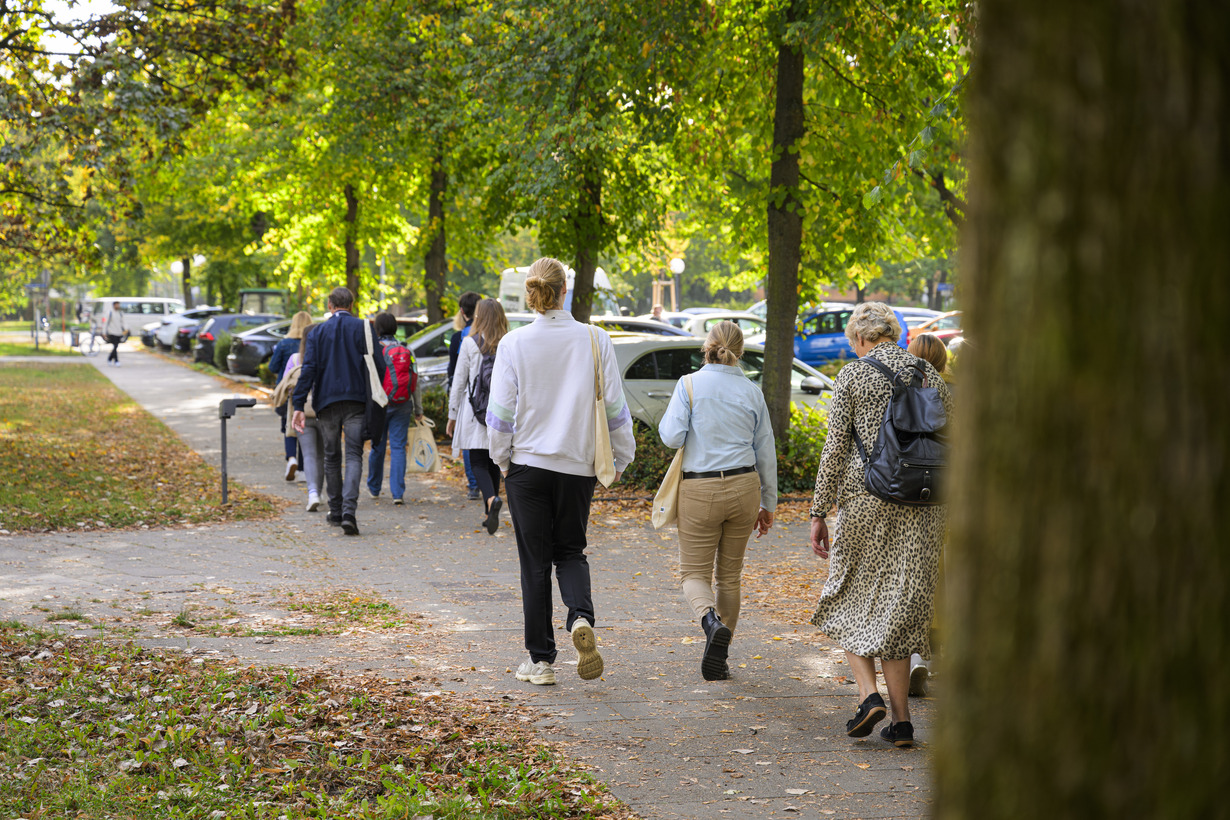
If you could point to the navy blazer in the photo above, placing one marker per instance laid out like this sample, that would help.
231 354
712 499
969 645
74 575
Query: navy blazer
333 368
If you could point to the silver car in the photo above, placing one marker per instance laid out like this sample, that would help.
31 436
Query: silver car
650 367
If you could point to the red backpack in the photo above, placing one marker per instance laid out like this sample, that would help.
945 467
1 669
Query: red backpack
400 375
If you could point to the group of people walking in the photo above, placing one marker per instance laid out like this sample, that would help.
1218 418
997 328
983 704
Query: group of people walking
533 409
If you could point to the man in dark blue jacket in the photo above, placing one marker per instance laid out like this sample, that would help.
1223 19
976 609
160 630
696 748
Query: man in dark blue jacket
335 372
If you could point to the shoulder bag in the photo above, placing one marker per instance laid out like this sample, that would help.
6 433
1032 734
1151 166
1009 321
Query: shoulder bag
604 459
666 502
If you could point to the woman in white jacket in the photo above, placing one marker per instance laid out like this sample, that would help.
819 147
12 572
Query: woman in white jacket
469 431
540 429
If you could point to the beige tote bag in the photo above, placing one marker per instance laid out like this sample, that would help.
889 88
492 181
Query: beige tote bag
373 375
604 459
666 502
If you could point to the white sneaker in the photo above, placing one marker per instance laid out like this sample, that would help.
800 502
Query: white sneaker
373 495
541 673
292 464
313 502
589 665
920 672
397 502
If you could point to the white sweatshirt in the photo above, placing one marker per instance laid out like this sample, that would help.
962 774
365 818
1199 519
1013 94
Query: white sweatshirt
541 410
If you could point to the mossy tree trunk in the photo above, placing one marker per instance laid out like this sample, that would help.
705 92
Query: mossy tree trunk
1088 608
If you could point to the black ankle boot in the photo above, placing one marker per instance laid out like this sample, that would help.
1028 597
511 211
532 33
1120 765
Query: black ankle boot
717 640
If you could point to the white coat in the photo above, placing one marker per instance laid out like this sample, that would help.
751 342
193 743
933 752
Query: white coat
469 433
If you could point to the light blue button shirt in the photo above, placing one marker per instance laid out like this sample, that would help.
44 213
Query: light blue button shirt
727 426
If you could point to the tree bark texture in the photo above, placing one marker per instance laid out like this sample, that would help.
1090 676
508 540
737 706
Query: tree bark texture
186 274
1088 615
352 243
589 243
785 222
436 262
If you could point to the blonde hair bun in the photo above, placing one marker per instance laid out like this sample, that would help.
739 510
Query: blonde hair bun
724 345
544 284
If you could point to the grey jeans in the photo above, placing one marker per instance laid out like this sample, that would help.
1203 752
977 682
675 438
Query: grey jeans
313 455
338 419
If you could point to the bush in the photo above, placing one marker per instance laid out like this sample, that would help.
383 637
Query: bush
435 407
265 375
222 348
798 454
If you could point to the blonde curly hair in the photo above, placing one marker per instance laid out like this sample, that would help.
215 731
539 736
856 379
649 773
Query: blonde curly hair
873 322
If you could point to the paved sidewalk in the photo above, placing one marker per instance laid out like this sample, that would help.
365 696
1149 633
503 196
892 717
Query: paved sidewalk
770 743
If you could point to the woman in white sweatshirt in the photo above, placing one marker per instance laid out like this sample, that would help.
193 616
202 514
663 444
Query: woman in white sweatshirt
540 430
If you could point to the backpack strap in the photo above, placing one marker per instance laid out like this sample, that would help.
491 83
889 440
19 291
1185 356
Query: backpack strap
892 379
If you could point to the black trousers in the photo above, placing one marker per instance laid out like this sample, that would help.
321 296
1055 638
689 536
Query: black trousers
550 513
486 472
114 341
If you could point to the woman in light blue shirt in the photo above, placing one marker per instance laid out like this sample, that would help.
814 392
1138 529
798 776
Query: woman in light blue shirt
729 485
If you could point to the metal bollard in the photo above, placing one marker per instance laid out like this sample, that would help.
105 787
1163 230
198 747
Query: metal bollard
226 409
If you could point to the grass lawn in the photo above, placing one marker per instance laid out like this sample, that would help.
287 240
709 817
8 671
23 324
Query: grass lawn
77 453
25 347
99 730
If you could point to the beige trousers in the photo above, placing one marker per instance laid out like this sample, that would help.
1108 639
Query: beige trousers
716 518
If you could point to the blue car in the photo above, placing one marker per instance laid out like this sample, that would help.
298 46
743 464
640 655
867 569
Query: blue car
821 335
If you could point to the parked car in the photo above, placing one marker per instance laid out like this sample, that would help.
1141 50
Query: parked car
701 324
821 335
138 310
671 318
231 323
915 316
252 348
185 337
947 326
430 348
169 332
147 333
650 367
624 324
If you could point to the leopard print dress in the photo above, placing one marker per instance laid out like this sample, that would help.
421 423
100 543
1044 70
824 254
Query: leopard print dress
879 598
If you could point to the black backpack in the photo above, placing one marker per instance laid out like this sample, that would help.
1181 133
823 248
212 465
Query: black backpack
480 388
911 450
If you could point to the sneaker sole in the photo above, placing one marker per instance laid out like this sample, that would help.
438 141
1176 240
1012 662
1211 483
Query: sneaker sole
397 502
538 680
290 473
590 665
713 662
313 506
492 521
918 681
869 722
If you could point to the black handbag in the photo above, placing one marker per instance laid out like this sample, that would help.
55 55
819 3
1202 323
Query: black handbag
908 463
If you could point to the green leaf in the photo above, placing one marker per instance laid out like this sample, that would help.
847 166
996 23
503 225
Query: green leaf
872 197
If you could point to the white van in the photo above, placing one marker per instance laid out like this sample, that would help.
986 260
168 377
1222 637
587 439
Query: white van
512 292
138 310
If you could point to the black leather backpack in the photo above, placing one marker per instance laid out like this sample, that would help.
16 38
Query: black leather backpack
911 450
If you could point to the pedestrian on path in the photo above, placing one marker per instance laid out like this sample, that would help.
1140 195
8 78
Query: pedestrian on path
467 403
278 368
540 431
113 330
405 403
309 440
335 373
729 485
466 304
879 599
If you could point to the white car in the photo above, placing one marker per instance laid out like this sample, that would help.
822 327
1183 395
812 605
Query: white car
165 335
670 317
650 367
700 324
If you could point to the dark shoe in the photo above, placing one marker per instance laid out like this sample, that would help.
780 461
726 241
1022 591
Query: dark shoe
349 525
334 521
717 641
493 515
474 494
870 712
899 734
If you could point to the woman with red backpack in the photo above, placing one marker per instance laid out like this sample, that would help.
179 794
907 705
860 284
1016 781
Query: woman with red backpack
405 404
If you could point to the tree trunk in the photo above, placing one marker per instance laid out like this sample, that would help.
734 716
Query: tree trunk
589 244
352 244
186 273
1088 615
436 261
785 220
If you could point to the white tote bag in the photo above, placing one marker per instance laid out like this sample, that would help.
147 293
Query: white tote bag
666 502
424 457
604 459
373 376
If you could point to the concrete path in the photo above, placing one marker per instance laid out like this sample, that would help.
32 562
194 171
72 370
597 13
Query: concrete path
770 743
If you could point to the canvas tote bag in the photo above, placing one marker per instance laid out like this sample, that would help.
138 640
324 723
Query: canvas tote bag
424 456
604 459
666 502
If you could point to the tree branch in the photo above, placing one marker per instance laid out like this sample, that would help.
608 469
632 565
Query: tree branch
954 206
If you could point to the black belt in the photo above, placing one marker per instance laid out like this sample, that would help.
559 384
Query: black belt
721 473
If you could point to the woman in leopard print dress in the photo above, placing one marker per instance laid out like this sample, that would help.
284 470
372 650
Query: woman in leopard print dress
879 598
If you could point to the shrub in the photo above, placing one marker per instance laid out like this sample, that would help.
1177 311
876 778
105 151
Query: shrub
265 375
798 454
435 407
222 348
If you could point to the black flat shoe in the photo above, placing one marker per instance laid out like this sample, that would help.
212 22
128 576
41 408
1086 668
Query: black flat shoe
492 523
717 643
899 734
870 712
